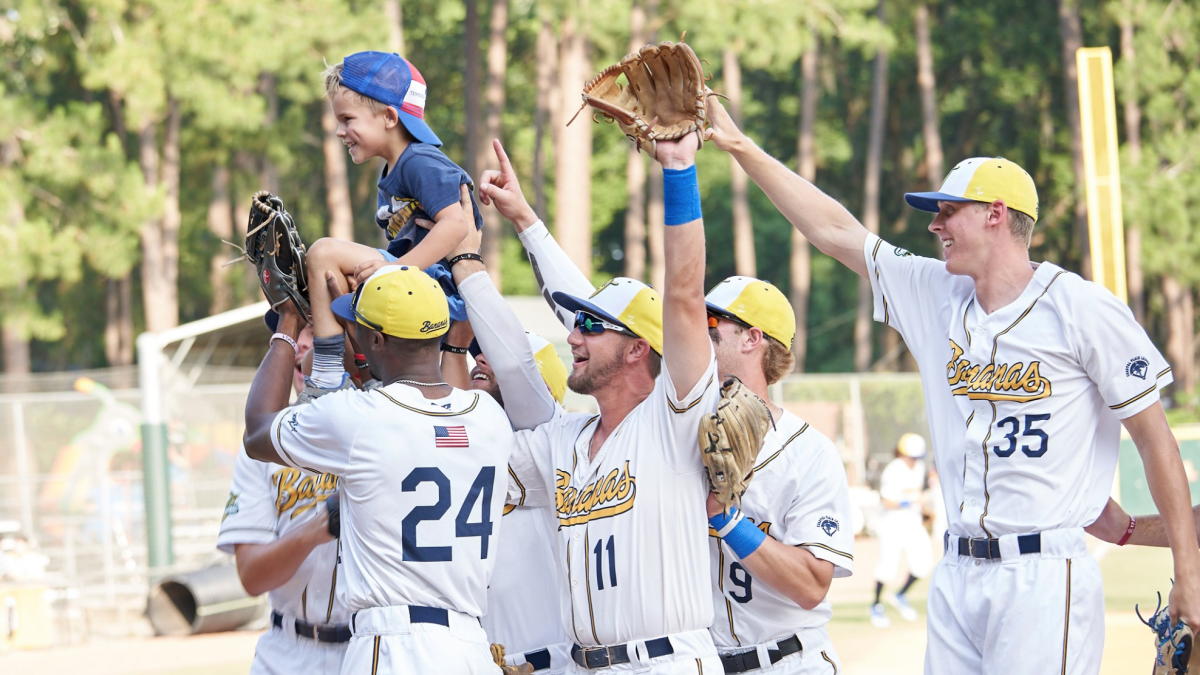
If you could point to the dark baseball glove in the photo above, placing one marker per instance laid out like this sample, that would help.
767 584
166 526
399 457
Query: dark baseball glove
663 97
730 440
275 249
1173 643
498 659
333 506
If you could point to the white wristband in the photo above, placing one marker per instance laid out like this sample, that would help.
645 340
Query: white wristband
286 338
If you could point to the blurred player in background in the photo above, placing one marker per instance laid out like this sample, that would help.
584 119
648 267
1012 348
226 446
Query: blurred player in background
901 530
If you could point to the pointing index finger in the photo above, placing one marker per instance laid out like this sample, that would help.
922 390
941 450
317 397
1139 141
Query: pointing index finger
505 165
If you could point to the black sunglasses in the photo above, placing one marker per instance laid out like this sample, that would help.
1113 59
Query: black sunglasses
354 306
590 323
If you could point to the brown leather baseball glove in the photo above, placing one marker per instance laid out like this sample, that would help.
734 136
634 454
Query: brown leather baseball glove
730 440
278 254
662 96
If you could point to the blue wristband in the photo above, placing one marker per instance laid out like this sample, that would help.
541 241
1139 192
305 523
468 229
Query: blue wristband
742 537
681 196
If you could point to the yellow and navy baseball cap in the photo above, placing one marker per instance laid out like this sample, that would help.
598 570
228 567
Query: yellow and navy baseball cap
554 373
626 302
757 303
911 445
398 300
982 179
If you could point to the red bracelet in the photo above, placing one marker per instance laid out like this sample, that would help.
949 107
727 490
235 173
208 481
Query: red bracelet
1128 531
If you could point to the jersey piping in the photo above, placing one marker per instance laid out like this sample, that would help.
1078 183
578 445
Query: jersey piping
780 451
1067 619
827 548
693 403
432 413
874 255
1144 393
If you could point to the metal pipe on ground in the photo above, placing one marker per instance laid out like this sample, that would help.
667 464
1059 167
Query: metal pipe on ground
210 600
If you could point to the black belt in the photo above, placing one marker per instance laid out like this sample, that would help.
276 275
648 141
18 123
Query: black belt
744 661
320 633
989 549
417 614
540 660
603 657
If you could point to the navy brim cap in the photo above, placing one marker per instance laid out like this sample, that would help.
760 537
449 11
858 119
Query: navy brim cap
342 307
419 129
928 201
271 318
574 304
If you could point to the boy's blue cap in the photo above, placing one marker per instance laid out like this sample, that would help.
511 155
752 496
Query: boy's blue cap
393 81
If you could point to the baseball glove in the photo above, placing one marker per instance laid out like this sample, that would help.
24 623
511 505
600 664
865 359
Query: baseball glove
1173 643
333 506
730 440
275 249
498 658
663 98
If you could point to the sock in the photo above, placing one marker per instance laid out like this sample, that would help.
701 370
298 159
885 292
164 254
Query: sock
878 590
328 367
908 584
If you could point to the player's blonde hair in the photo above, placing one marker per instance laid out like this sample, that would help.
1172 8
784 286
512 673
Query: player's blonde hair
777 361
334 86
1020 224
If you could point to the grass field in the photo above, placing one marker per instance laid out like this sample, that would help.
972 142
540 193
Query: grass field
1130 576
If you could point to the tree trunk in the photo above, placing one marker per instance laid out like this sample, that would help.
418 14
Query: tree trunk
14 339
220 224
547 63
243 163
472 86
268 176
635 173
927 84
862 323
118 324
172 219
573 157
153 272
655 224
1072 39
1134 282
800 266
14 336
497 62
743 229
337 180
395 19
1181 337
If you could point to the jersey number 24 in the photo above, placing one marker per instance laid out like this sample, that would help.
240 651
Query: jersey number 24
462 528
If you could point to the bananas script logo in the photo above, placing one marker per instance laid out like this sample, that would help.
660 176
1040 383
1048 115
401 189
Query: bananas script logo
1019 382
295 490
607 496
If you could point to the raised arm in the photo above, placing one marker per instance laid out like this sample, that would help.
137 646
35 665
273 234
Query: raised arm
552 267
820 218
687 349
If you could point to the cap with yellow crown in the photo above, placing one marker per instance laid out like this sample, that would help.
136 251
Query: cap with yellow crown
755 303
911 445
625 302
554 373
982 179
398 300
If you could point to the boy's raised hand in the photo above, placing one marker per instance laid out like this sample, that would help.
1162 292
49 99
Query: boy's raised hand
502 190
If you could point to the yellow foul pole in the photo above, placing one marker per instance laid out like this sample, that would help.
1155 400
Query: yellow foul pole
1102 168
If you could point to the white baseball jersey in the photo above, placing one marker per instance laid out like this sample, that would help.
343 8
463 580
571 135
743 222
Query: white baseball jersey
266 502
423 485
903 485
1024 403
800 497
631 522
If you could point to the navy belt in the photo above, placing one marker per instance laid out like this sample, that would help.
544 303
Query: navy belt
320 633
603 657
989 549
540 660
417 614
746 661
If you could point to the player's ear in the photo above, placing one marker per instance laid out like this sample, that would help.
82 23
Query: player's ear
636 349
754 338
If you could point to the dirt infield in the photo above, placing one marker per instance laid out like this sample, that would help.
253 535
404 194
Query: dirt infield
1130 576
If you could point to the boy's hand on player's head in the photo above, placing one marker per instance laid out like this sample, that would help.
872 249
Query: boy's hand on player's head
502 190
723 132
677 154
364 270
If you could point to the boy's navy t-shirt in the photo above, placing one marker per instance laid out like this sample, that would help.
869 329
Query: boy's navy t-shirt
423 182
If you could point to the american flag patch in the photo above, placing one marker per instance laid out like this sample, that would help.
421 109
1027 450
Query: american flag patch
450 437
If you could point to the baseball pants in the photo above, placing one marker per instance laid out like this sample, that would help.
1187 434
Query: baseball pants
694 655
281 652
901 533
817 658
1033 613
387 642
